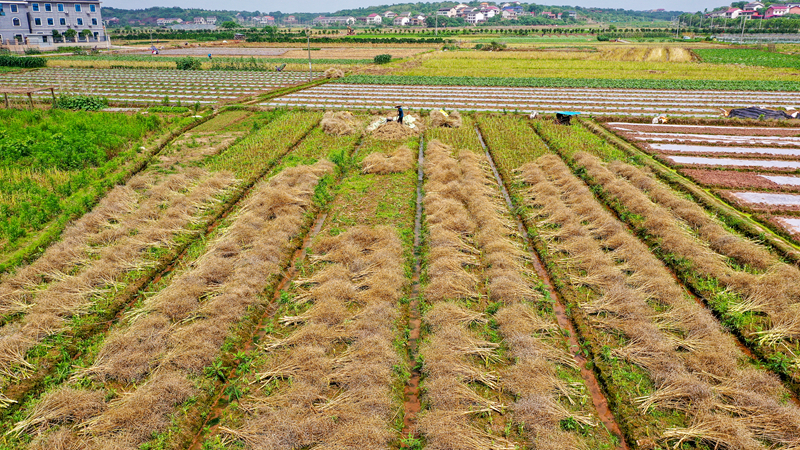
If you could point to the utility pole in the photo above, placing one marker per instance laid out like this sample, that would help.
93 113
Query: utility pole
308 45
436 23
743 19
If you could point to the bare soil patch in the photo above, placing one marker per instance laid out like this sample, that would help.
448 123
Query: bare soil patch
736 180
705 129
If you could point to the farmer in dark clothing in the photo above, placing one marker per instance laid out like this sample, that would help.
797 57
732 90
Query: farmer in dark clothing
399 113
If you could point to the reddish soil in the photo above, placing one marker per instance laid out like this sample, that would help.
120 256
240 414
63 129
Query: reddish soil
721 154
699 129
753 207
778 224
660 157
711 141
735 180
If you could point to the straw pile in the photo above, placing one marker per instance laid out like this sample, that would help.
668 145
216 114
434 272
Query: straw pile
73 294
439 118
388 130
401 160
179 331
448 354
335 399
333 72
693 363
773 293
339 123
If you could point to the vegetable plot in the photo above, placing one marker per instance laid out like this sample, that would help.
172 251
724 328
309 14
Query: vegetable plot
624 102
153 86
744 164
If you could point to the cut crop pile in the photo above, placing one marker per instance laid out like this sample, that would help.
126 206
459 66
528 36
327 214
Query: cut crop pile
313 394
694 366
179 331
439 118
401 160
339 123
333 72
472 244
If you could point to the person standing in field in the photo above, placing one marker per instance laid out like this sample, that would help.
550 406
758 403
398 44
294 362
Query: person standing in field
399 113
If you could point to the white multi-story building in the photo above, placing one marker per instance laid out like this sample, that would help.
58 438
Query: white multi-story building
34 22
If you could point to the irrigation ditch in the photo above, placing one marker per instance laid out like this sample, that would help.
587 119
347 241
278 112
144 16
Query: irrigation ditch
412 404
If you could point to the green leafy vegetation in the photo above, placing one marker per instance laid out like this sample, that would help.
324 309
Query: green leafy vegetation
19 61
748 57
382 59
47 156
188 63
81 102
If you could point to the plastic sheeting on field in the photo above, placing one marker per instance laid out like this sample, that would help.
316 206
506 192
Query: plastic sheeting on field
756 113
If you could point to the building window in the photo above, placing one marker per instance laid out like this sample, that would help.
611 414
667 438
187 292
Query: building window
62 21
80 21
50 21
14 8
77 8
60 7
15 21
35 7
37 21
92 8
94 21
48 7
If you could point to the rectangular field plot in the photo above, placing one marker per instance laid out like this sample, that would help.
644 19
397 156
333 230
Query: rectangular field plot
706 149
792 224
726 162
152 86
768 198
718 131
734 179
627 102
784 181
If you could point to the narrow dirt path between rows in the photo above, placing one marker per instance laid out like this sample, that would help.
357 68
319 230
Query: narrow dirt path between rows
598 397
412 404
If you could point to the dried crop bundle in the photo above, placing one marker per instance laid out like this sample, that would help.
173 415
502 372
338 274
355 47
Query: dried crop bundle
395 131
439 118
170 345
399 161
338 123
353 386
72 295
692 362
333 72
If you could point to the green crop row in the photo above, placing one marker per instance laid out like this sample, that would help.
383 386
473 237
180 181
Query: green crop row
19 61
217 60
733 85
47 156
748 57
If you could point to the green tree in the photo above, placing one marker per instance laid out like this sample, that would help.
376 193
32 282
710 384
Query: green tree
70 34
228 24
86 33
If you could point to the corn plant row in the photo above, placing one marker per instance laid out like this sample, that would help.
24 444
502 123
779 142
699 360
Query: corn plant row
460 194
45 311
172 336
703 391
334 399
761 306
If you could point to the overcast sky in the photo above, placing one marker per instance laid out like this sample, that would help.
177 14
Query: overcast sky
328 6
